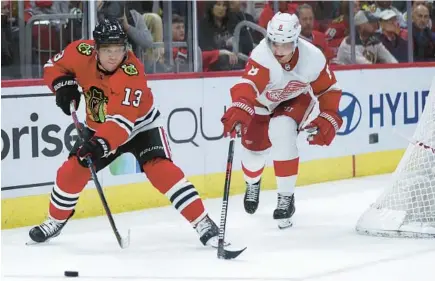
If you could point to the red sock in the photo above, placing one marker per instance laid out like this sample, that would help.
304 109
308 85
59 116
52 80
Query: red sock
169 180
70 181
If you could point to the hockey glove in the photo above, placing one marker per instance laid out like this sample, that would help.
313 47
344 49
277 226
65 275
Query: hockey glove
66 90
240 113
323 129
96 148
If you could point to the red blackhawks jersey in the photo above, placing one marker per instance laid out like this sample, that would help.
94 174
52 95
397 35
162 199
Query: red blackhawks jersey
266 83
118 105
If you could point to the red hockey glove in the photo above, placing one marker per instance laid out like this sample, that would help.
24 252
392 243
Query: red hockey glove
96 148
323 129
240 113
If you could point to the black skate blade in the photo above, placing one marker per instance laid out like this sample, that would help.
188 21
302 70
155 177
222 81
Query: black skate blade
230 254
33 243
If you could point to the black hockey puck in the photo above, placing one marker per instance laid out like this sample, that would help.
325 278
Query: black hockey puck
71 273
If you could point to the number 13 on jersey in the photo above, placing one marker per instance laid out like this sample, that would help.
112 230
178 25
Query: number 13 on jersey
136 97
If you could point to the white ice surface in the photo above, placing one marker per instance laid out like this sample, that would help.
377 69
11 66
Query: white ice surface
322 245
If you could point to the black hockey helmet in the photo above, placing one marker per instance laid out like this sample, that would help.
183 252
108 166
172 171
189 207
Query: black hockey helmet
109 31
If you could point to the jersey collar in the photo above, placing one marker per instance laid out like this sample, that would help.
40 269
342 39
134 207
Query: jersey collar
289 66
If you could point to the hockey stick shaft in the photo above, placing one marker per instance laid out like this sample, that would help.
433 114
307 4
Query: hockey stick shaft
224 211
123 243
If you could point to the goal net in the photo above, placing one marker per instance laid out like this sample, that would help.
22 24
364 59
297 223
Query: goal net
406 208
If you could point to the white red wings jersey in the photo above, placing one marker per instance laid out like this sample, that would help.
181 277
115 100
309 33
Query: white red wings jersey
266 83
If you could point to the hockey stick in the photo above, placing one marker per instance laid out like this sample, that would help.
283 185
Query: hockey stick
123 242
417 143
223 253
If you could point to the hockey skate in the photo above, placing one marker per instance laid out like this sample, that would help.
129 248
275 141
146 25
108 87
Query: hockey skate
252 197
208 232
284 211
50 228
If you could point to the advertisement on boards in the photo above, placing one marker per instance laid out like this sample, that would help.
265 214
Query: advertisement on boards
37 137
373 108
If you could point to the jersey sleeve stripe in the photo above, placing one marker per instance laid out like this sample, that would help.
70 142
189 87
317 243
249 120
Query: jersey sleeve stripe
146 116
146 119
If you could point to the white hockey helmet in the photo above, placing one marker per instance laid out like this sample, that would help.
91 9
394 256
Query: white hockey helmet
283 28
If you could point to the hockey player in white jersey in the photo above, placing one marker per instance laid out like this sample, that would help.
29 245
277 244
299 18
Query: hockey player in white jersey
283 79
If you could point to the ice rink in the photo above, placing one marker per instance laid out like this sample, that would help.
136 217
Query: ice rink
322 245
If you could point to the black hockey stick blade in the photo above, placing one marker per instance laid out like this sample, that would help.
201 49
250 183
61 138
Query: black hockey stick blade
229 254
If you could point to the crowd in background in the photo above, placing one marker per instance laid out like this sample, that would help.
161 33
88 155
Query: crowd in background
381 31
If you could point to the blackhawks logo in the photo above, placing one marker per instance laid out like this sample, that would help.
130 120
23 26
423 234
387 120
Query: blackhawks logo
130 69
96 103
85 49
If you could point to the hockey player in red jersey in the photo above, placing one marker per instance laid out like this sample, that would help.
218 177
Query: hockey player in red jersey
283 79
121 117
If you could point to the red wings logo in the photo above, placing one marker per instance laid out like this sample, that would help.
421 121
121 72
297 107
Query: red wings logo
293 89
280 27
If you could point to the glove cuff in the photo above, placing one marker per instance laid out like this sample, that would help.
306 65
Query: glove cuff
64 81
331 119
104 145
245 107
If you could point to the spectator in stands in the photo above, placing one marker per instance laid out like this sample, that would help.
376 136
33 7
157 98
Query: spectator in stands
214 35
368 48
430 6
415 4
339 27
306 18
178 28
235 16
387 5
424 43
390 37
268 12
155 25
180 54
